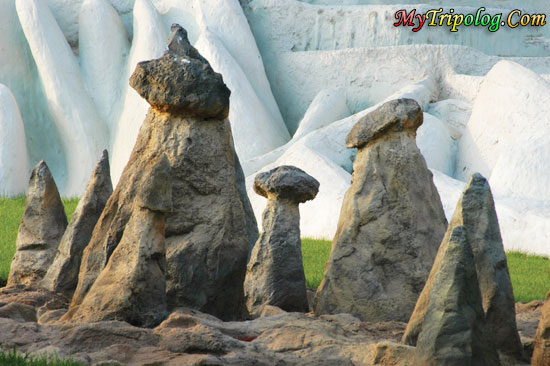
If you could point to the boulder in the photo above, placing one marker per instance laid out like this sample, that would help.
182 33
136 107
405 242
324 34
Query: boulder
41 228
160 81
541 352
391 222
132 287
452 331
475 212
62 276
275 273
207 241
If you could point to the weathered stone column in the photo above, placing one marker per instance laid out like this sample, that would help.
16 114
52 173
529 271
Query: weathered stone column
391 222
40 231
275 272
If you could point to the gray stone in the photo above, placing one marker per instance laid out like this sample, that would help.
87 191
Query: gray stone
475 212
275 272
251 223
394 116
182 81
40 231
391 223
449 313
18 312
62 276
286 182
208 230
132 286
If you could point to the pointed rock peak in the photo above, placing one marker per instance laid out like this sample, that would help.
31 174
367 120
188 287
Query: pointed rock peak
182 81
286 182
476 212
452 329
102 171
156 190
179 45
395 115
476 194
41 180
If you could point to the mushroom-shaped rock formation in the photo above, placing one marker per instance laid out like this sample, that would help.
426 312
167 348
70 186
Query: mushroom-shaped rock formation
209 231
475 212
62 276
132 287
391 223
275 272
453 332
41 228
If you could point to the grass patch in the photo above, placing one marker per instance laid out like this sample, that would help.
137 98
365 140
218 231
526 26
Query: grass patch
529 273
12 358
315 254
530 276
11 212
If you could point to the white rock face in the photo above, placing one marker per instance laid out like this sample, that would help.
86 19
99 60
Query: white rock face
329 105
18 72
512 107
247 113
82 130
454 112
150 36
103 49
14 168
436 145
521 171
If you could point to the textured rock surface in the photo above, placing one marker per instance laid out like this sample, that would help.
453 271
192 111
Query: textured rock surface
132 287
275 272
182 81
541 352
475 212
391 222
207 241
188 337
62 276
453 331
40 230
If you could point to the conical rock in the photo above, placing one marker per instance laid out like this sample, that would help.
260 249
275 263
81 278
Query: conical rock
453 331
207 241
40 231
475 211
62 276
132 287
275 273
391 223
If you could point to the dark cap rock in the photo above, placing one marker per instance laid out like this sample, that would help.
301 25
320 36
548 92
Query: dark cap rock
287 182
182 81
395 115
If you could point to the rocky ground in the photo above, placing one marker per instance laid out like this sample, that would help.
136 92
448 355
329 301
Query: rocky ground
28 319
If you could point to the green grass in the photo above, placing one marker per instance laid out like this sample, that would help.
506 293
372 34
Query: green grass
530 276
529 273
11 211
315 254
12 358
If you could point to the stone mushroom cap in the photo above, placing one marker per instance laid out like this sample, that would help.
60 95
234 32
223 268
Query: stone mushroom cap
286 182
182 81
396 115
